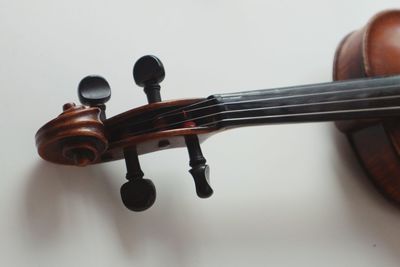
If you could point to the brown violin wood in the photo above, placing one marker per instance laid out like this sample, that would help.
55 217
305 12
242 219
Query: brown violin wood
103 141
76 137
372 51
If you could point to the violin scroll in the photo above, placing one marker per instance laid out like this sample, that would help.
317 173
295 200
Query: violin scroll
75 137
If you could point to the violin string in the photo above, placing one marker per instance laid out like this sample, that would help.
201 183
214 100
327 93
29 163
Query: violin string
395 108
350 101
175 111
189 108
280 90
162 116
308 86
214 123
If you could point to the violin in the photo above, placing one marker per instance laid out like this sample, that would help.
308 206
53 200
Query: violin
363 101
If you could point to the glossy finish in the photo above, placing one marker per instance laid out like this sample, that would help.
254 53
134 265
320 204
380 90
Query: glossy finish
94 91
374 50
137 194
148 72
200 170
83 122
76 137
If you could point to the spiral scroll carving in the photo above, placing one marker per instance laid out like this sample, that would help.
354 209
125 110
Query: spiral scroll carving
75 137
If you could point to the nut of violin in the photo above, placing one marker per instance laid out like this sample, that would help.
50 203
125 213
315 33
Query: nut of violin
75 137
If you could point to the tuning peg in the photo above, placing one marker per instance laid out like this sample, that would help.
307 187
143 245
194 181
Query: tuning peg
94 91
138 194
200 170
148 72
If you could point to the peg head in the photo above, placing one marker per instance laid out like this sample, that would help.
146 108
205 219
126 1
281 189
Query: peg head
94 91
201 176
138 194
148 70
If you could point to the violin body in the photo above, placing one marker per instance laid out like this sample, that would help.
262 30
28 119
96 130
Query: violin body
364 101
373 51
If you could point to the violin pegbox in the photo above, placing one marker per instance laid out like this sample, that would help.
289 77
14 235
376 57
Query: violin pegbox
82 134
148 72
138 193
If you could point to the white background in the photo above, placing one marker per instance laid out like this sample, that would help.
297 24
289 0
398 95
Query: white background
289 195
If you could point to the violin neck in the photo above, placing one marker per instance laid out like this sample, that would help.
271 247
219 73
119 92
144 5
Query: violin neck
341 100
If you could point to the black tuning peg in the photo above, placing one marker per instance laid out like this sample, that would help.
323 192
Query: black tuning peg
94 91
200 170
138 194
148 73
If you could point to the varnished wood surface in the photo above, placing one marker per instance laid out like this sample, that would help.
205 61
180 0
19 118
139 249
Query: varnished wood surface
374 50
75 137
106 140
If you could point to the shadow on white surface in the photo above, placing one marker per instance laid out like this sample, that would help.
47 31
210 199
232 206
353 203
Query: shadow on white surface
63 202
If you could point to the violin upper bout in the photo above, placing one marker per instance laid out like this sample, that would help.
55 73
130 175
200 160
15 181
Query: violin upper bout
373 50
75 137
381 44
348 61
